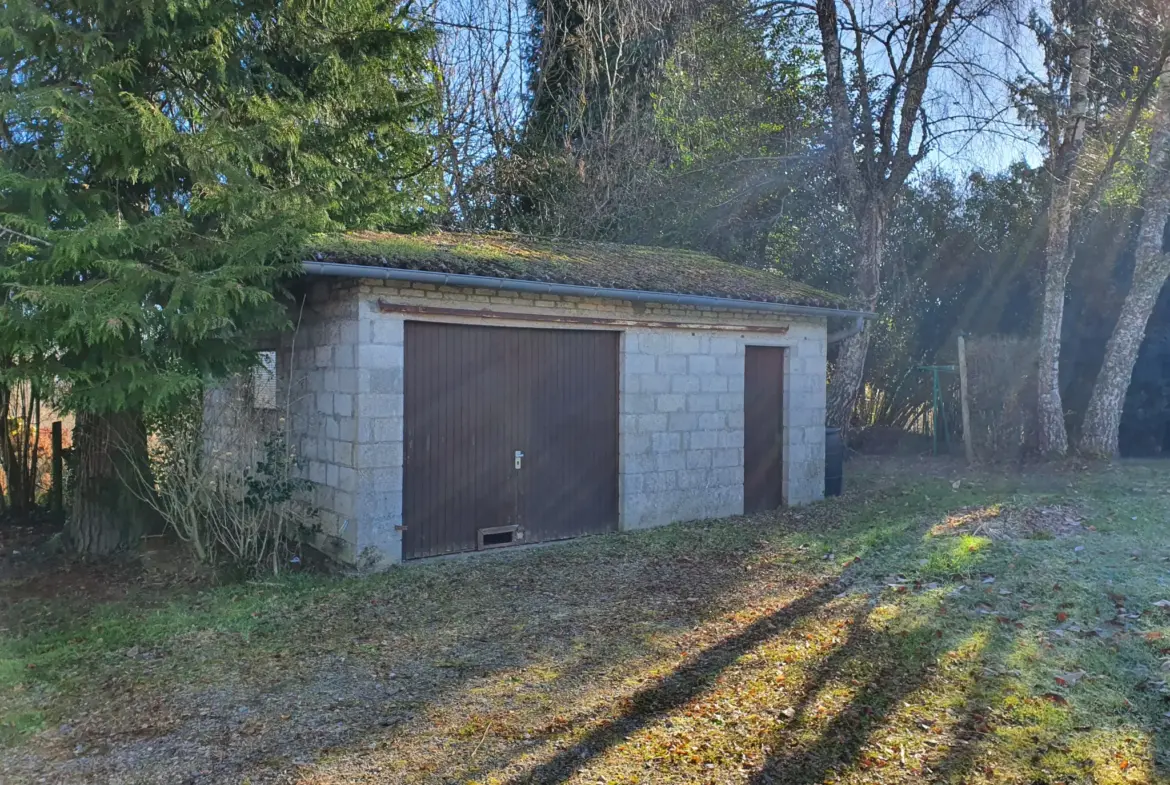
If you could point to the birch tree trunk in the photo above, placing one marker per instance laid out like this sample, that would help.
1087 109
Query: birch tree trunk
1050 409
1151 269
849 369
1065 149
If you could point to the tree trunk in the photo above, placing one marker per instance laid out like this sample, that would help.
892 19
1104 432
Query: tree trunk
1103 417
1050 409
849 370
1064 154
1151 268
108 513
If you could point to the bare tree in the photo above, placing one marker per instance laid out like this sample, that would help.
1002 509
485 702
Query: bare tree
483 75
885 65
1151 270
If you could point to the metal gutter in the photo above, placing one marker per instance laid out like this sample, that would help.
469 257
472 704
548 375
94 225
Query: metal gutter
336 269
857 328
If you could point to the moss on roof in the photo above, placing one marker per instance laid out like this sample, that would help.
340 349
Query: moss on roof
606 265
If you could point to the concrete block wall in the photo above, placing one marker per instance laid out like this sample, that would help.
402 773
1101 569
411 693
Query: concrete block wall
317 382
346 407
681 409
682 421
234 428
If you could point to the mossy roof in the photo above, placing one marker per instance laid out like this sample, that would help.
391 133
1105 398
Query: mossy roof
601 265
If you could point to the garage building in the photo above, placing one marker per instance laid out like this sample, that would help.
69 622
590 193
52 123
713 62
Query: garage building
450 393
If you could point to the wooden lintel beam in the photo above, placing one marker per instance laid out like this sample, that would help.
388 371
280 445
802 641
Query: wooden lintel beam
385 306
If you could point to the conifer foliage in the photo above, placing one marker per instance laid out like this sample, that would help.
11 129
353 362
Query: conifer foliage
161 164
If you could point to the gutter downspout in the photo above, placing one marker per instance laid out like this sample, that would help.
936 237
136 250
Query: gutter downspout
568 290
857 329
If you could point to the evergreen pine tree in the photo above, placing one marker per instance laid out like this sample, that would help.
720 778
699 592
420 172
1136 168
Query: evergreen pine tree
161 165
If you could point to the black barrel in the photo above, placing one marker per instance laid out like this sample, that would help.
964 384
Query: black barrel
834 462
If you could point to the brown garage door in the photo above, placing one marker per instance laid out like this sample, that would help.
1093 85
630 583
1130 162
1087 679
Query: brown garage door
477 396
763 453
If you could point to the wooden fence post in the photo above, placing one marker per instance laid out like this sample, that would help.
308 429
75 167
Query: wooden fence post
968 447
57 491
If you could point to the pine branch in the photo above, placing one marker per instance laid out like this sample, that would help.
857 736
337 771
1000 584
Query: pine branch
7 235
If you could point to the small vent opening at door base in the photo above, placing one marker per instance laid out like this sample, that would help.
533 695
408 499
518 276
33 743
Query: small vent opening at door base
499 537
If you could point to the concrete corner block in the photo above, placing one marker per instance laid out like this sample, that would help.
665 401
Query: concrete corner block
379 455
387 330
386 430
373 405
375 355
379 545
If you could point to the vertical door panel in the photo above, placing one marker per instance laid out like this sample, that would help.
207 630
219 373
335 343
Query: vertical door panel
572 462
763 428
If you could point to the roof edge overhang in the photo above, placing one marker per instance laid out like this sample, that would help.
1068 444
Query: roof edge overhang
369 272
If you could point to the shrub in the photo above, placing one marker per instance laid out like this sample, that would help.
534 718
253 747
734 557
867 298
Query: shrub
240 510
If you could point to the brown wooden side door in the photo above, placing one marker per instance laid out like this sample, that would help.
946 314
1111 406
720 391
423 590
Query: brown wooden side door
477 396
763 449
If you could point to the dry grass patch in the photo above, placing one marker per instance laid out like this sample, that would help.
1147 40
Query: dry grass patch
1006 522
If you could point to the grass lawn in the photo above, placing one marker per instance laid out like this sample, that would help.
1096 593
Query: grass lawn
933 625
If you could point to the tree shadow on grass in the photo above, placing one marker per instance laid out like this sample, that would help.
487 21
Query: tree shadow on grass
842 740
685 683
